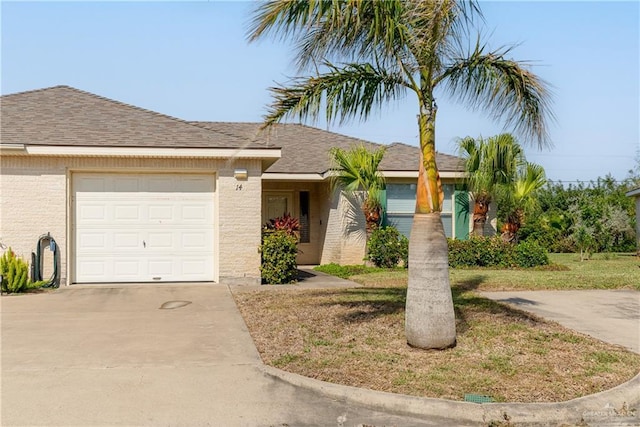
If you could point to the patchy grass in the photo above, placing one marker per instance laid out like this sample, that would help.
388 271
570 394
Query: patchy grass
603 271
356 336
346 271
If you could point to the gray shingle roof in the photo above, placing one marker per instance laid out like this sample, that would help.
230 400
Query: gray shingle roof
65 116
306 149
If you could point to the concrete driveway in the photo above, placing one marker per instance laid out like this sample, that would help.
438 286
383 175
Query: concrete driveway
104 356
107 356
612 316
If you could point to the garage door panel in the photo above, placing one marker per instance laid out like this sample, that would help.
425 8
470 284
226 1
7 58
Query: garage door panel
92 212
127 240
162 212
161 241
127 213
92 268
126 268
145 227
161 269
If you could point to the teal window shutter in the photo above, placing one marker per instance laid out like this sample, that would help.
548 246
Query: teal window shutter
462 215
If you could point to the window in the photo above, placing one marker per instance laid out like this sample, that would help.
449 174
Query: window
304 217
401 205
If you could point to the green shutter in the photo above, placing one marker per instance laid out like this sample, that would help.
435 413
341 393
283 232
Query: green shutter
462 215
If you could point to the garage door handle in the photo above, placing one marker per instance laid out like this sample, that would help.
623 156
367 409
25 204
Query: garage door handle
144 244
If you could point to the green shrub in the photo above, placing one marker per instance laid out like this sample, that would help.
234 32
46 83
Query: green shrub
530 254
14 271
279 250
494 252
386 247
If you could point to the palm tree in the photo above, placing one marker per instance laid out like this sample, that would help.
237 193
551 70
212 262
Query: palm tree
520 197
363 54
490 164
356 170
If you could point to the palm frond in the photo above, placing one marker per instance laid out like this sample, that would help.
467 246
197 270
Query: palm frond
357 169
531 179
287 18
345 93
491 163
507 89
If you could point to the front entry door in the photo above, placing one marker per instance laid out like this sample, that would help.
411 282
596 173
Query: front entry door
276 204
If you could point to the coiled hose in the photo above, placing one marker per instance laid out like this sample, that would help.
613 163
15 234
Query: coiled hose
37 261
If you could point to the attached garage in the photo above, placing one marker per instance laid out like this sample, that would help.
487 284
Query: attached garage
143 227
128 194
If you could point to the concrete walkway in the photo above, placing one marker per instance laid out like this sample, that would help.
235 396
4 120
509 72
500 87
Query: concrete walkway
612 316
104 356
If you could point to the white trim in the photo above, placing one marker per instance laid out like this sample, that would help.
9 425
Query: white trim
414 174
634 192
321 177
153 152
293 176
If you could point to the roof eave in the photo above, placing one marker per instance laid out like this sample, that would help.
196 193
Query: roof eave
268 154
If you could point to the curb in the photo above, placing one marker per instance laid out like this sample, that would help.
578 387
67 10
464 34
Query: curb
619 406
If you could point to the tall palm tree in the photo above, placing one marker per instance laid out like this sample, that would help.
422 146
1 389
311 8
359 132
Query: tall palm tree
490 164
356 170
363 54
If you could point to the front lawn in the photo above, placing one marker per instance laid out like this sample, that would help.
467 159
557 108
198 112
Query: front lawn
356 336
604 271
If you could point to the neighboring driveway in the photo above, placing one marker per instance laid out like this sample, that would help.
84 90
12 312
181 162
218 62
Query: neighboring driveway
612 316
89 356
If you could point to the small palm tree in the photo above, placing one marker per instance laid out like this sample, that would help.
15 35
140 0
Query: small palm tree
521 198
383 50
356 170
490 164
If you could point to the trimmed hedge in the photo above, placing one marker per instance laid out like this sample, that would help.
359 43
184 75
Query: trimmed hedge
386 247
494 252
279 250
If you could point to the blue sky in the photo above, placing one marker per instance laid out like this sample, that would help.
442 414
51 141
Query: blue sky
191 60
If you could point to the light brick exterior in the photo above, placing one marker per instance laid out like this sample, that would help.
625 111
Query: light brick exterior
35 197
346 236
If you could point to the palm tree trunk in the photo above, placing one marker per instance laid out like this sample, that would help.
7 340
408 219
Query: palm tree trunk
480 211
429 317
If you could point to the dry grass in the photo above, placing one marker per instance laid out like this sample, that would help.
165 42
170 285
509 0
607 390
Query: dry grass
356 337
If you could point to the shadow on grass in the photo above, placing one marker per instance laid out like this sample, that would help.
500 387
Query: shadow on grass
466 301
364 304
469 284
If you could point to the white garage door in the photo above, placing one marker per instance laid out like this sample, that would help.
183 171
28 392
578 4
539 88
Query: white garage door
143 227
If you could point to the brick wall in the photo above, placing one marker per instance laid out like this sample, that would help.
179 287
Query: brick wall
33 201
345 238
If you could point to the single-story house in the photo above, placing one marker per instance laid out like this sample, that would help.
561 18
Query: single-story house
636 194
131 195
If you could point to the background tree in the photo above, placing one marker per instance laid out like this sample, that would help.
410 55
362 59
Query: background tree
595 216
385 49
356 171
